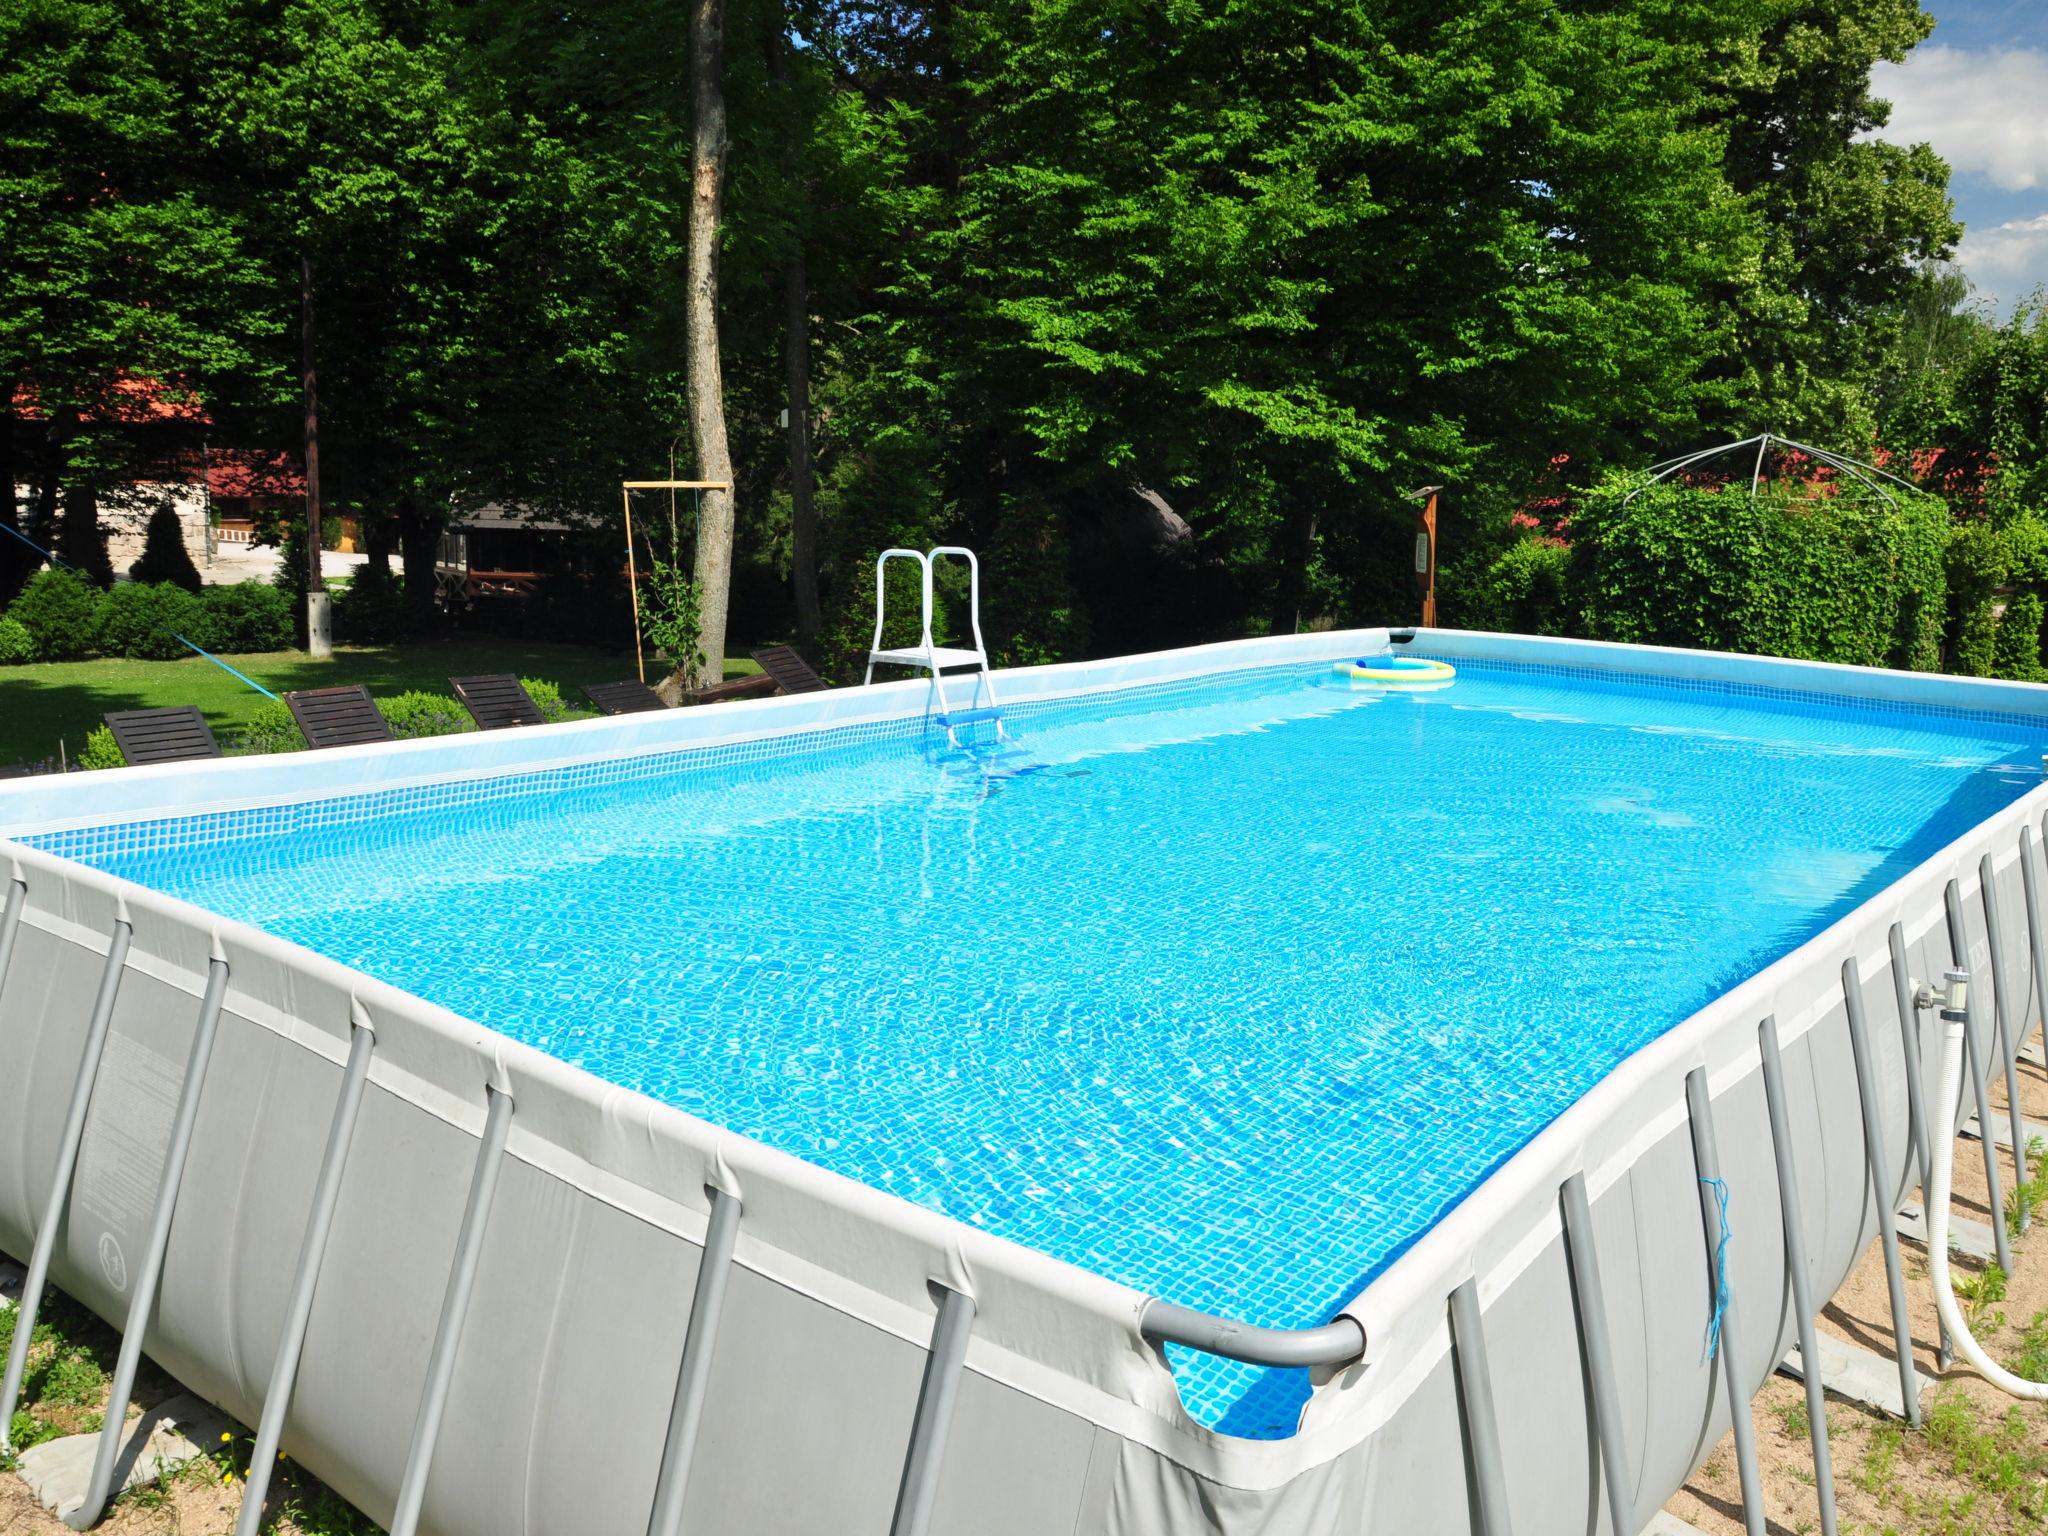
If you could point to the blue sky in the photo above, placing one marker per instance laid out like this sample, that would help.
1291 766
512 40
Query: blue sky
1977 90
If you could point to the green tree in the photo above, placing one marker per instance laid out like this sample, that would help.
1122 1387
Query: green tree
123 253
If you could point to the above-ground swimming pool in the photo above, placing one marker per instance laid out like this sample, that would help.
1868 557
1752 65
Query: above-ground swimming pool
772 1118
1225 989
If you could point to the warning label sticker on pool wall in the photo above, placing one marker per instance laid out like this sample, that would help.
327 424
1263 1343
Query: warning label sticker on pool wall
133 1101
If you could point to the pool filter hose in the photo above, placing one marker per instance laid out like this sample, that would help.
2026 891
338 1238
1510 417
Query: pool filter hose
1944 1156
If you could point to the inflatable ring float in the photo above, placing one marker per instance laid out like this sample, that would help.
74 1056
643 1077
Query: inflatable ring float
1412 673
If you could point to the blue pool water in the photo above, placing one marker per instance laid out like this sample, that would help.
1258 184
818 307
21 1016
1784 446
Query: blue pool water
1229 1001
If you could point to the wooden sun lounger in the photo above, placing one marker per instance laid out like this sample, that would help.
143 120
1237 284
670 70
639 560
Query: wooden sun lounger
175 734
791 672
496 701
626 698
338 717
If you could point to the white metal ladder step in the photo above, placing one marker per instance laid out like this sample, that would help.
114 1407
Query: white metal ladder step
934 659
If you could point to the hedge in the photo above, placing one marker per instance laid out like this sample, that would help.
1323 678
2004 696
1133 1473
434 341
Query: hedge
1853 578
66 618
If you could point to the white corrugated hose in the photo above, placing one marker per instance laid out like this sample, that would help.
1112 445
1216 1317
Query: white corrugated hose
1944 1156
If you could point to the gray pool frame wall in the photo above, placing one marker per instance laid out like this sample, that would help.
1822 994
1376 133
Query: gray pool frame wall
466 1284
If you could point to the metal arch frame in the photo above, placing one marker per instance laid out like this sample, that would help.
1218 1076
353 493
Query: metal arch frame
1867 474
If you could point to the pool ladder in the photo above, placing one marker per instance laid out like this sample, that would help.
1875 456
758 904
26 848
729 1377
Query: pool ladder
936 659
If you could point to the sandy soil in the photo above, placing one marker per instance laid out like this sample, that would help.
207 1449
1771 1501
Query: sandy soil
1978 1464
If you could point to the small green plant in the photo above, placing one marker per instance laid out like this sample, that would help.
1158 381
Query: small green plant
270 729
2032 1361
1794 1420
101 750
1878 1475
424 714
2001 1461
1979 1293
2028 1196
670 618
16 643
547 698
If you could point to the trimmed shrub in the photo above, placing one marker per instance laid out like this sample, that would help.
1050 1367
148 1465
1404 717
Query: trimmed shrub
16 643
2016 651
547 698
60 610
101 751
164 557
249 616
425 714
270 729
1829 577
372 610
144 621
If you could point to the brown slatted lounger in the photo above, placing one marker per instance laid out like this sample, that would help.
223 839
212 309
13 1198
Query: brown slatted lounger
791 672
496 701
627 698
172 735
338 717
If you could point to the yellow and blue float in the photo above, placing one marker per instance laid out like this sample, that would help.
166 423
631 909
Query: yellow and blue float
1411 674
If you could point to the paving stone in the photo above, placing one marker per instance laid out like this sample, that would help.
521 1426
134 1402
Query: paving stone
1860 1375
1664 1523
2001 1129
1972 1239
58 1472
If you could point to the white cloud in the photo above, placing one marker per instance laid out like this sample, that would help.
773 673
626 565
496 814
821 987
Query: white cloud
1985 111
2007 262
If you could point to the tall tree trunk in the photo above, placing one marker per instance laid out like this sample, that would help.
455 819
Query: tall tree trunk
79 539
803 507
315 582
419 542
700 332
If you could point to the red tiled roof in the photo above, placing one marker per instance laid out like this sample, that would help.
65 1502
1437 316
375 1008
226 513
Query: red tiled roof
238 472
130 399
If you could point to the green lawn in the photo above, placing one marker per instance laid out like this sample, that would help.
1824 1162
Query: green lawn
46 702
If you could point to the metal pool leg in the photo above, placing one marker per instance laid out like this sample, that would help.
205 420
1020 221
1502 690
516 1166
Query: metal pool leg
693 1377
299 1308
10 925
1959 946
1591 1305
2037 940
919 1489
152 1267
67 1164
1921 1148
2008 1028
469 1241
1795 1270
1475 1387
1707 1164
1887 1218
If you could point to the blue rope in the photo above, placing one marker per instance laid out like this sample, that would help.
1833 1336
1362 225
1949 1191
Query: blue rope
224 666
1720 1189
